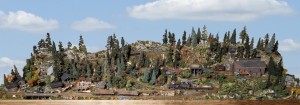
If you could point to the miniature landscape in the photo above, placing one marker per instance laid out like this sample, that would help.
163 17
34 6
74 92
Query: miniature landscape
196 65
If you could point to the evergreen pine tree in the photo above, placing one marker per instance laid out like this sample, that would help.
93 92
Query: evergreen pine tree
275 49
176 59
122 42
153 78
266 40
170 55
252 43
247 48
194 38
75 73
88 71
69 45
233 37
243 34
258 44
189 40
48 40
165 38
271 69
204 34
198 36
178 46
146 76
184 38
5 80
142 59
225 38
270 46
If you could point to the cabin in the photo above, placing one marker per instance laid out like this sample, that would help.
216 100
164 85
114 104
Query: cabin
103 92
195 69
253 67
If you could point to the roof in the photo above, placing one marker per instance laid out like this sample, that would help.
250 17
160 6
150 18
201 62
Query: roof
103 92
251 63
56 85
194 66
128 93
66 76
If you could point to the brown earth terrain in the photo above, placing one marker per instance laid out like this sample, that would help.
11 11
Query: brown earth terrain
149 102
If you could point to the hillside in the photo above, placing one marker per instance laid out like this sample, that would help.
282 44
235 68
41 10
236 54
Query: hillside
195 65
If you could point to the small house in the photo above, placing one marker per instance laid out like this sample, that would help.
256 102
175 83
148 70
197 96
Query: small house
254 67
195 69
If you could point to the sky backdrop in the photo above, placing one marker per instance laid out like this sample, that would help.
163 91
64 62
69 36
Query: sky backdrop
24 23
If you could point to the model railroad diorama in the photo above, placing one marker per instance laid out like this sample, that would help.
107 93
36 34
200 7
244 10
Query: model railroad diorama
196 65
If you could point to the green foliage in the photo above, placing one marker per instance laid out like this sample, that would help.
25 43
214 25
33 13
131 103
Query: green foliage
198 35
129 85
188 42
184 38
194 38
142 59
170 55
146 76
204 34
176 59
5 80
88 71
75 72
1 87
275 49
247 47
252 43
165 38
153 77
48 80
178 46
69 45
233 37
266 42
186 74
269 48
243 34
